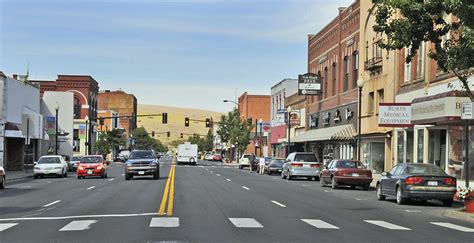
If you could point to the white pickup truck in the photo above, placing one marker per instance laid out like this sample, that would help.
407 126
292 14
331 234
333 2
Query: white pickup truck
245 160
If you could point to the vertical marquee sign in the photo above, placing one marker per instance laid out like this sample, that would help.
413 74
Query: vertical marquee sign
309 84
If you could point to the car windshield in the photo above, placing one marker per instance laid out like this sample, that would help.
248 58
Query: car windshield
141 155
91 160
425 169
247 156
350 164
305 158
49 160
75 158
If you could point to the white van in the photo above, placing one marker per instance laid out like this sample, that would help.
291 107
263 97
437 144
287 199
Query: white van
187 153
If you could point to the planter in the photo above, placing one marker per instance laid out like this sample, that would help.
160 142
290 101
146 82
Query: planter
469 205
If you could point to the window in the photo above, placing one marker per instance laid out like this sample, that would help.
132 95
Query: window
370 103
355 68
334 75
420 61
407 67
77 108
399 171
380 97
392 171
346 73
326 83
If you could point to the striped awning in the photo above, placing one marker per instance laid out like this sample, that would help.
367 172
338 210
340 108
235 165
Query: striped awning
342 132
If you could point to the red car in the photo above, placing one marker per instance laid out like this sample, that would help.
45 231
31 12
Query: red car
346 173
92 165
217 157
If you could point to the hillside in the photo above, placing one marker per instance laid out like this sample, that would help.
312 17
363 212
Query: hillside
175 124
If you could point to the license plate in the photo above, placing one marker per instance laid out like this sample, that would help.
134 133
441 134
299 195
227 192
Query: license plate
432 183
306 166
141 172
355 174
89 172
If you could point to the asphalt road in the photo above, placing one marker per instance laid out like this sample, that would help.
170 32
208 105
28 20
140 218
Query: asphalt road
212 202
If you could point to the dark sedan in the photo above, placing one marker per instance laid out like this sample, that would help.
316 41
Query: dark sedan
417 181
274 166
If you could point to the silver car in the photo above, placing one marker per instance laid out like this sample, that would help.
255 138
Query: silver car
301 164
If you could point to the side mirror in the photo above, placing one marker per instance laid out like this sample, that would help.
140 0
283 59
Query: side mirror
35 163
385 173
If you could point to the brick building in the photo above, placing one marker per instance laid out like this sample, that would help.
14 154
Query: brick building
85 90
256 107
123 103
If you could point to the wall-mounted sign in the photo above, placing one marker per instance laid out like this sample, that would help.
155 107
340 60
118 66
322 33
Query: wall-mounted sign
337 116
313 120
349 114
266 126
326 118
281 110
395 115
294 119
309 84
466 111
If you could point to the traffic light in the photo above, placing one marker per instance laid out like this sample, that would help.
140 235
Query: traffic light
164 118
168 134
181 135
186 121
101 121
249 121
152 133
208 122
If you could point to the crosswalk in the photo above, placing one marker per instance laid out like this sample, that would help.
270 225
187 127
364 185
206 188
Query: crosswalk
174 222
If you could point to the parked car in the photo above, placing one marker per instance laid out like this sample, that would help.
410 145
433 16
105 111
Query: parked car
50 165
274 166
122 156
346 173
74 163
417 181
246 160
3 178
301 164
217 157
208 156
142 163
92 165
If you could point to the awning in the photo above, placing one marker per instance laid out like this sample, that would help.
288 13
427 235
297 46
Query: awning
13 131
343 132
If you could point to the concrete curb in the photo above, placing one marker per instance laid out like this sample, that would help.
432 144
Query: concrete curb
459 214
17 179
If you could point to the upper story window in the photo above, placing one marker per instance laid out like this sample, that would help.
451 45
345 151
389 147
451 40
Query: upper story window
355 68
370 103
326 83
420 62
334 76
346 73
77 108
407 67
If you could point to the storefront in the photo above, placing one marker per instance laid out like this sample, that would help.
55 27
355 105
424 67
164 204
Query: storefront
437 136
278 141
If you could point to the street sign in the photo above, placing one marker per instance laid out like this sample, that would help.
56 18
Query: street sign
466 111
309 84
266 126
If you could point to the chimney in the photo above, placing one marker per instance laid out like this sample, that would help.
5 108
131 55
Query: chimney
15 76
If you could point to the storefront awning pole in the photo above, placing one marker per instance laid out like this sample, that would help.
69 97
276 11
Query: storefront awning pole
466 151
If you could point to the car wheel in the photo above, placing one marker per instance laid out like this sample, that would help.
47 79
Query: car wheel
378 190
65 174
366 187
240 167
400 199
333 183
2 182
353 187
35 176
423 202
289 177
448 202
128 177
78 177
321 181
282 175
156 175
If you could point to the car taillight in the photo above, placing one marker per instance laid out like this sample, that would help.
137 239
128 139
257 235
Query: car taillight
296 165
413 180
315 165
449 181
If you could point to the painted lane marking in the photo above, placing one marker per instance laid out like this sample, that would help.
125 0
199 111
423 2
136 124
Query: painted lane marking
326 191
246 188
49 204
454 226
279 204
78 225
386 225
412 211
228 179
6 226
123 174
80 216
212 171
92 187
245 223
319 224
165 222
361 199
112 179
218 175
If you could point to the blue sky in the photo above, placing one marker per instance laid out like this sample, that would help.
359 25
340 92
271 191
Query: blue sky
187 53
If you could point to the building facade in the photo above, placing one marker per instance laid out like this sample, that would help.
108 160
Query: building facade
123 103
256 107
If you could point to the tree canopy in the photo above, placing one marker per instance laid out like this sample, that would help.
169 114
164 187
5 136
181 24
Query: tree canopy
143 140
234 130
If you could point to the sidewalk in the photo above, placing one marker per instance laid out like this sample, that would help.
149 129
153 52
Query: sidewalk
19 175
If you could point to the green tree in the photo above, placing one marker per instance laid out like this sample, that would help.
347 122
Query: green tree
234 130
102 145
425 21
143 140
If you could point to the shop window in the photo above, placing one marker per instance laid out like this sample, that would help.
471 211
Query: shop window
419 157
334 76
437 148
355 68
410 139
346 74
370 103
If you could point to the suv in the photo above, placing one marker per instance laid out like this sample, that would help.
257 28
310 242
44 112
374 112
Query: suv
300 164
141 163
246 160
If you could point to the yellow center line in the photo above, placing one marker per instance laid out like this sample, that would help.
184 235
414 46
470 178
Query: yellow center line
169 183
171 196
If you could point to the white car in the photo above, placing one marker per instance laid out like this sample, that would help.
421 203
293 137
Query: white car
245 160
2 178
208 156
50 165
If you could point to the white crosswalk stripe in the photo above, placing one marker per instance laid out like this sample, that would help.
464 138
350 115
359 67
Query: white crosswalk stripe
245 223
165 222
454 226
386 225
319 224
6 226
78 225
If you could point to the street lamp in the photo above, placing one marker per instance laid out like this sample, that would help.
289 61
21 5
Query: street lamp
289 110
56 134
231 101
261 140
360 85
